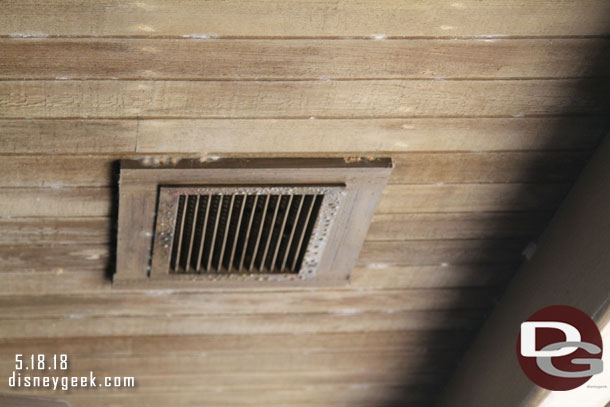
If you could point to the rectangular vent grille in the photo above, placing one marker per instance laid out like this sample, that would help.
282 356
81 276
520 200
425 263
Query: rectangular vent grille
247 230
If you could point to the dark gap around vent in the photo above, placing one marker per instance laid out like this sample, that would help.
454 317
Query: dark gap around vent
177 231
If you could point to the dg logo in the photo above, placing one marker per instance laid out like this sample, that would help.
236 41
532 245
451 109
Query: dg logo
560 348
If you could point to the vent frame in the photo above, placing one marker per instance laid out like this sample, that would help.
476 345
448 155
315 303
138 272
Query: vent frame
141 180
166 224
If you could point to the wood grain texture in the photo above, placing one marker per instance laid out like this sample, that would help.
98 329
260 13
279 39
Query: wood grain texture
294 395
141 346
466 225
57 281
386 276
471 197
505 167
24 231
300 99
59 258
379 276
19 400
489 110
320 136
55 202
97 202
336 302
301 59
278 362
55 258
302 18
411 168
241 324
441 252
402 226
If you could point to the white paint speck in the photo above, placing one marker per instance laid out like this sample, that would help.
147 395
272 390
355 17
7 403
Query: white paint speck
195 36
346 311
378 266
379 37
145 28
28 34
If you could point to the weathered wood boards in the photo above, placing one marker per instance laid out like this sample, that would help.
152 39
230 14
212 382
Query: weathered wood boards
302 18
482 157
301 99
96 201
54 171
299 136
92 58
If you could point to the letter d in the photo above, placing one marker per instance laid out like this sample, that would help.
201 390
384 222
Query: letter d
528 338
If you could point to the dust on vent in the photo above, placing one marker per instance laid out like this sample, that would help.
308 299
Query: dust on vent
243 230
192 224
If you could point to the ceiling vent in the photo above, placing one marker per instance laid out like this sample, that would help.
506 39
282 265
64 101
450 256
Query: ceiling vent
237 222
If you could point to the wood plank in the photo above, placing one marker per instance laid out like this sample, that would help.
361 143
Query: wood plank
21 400
50 231
54 58
271 362
75 136
60 202
427 226
56 281
334 302
439 252
410 168
299 136
311 396
302 18
54 258
51 171
242 324
471 197
386 276
403 226
422 168
379 276
301 99
60 258
96 202
142 346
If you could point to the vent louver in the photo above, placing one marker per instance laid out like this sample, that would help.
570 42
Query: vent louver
244 231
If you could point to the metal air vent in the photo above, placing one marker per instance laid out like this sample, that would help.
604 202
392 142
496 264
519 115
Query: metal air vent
196 224
248 231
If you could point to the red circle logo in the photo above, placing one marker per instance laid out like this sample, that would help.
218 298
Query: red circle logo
559 348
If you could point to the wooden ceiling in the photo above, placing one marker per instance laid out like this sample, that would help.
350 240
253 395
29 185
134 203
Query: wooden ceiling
489 110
